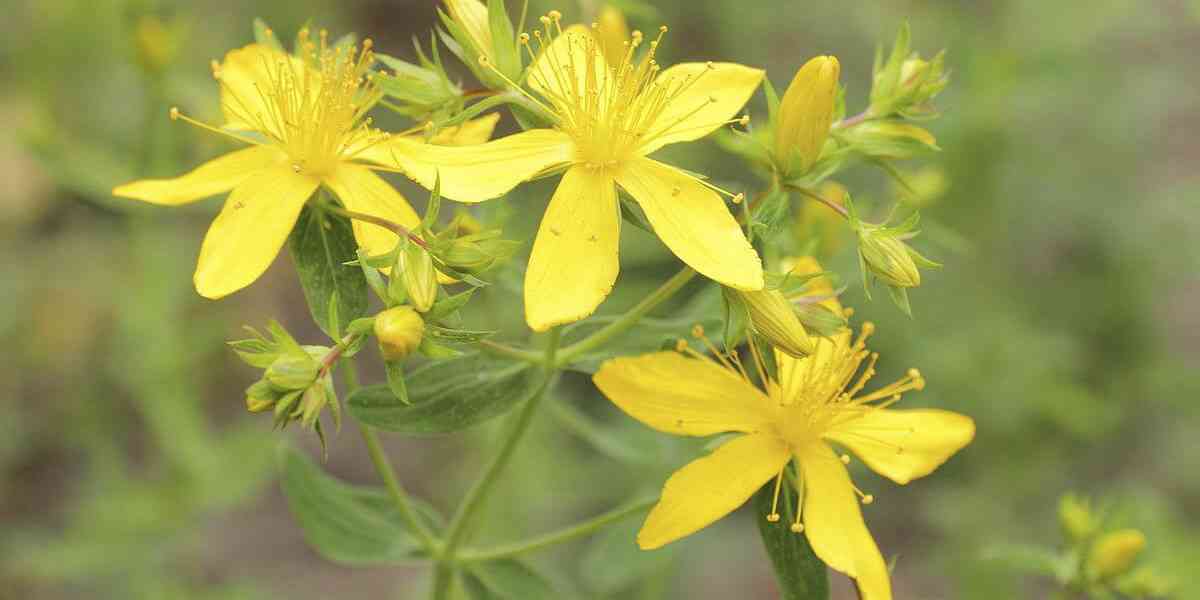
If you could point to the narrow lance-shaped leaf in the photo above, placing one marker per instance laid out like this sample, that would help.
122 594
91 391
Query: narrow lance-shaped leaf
320 247
801 575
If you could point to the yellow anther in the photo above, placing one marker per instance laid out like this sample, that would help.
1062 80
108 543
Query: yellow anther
744 121
523 38
797 527
710 65
914 373
773 518
845 459
697 330
867 499
174 113
738 197
483 60
867 328
554 15
662 28
681 345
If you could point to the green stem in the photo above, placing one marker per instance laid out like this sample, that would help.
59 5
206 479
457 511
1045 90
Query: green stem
474 500
627 320
384 467
557 537
823 200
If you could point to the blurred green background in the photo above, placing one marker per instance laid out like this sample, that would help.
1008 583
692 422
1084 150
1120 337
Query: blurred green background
1065 320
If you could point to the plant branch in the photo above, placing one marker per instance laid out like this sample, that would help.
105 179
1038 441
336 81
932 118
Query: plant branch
627 320
565 534
384 467
841 210
861 117
392 226
510 351
476 496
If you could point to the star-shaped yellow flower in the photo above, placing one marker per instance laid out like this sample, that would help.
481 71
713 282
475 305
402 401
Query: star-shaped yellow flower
816 404
609 118
304 118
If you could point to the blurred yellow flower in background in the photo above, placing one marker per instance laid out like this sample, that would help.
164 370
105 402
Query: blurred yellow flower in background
608 119
816 402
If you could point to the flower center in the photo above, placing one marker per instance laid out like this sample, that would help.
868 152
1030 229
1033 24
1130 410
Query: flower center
822 390
311 105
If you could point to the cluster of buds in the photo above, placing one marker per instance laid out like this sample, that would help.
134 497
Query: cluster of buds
905 84
884 255
1104 561
296 383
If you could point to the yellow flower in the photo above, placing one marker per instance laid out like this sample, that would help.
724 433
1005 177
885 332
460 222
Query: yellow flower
307 127
608 120
816 403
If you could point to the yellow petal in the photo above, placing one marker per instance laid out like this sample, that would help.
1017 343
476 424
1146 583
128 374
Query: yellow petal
244 239
474 131
245 77
361 190
574 260
904 445
704 98
571 64
480 172
685 396
213 177
711 487
834 524
693 222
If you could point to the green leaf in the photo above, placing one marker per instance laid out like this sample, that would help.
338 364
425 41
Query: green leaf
321 246
612 563
507 579
801 575
446 396
395 380
347 524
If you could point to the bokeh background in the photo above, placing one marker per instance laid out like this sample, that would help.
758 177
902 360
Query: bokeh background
1066 320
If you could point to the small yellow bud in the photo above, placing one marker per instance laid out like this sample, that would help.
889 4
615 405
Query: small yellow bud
399 331
1115 553
415 267
774 318
1075 517
806 112
472 16
612 31
156 45
889 259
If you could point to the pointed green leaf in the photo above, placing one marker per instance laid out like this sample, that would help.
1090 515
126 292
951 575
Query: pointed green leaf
347 524
507 579
801 575
321 246
446 396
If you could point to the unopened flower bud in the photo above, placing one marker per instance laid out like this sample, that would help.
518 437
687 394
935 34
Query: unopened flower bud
472 17
468 256
414 266
292 372
260 396
891 139
1075 517
888 258
612 31
399 331
1145 582
156 45
1115 553
312 401
806 112
773 317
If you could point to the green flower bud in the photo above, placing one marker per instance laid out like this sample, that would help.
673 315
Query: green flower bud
312 401
888 258
891 139
1075 517
1145 582
472 17
1115 553
292 372
399 331
773 317
260 396
806 112
414 266
156 45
